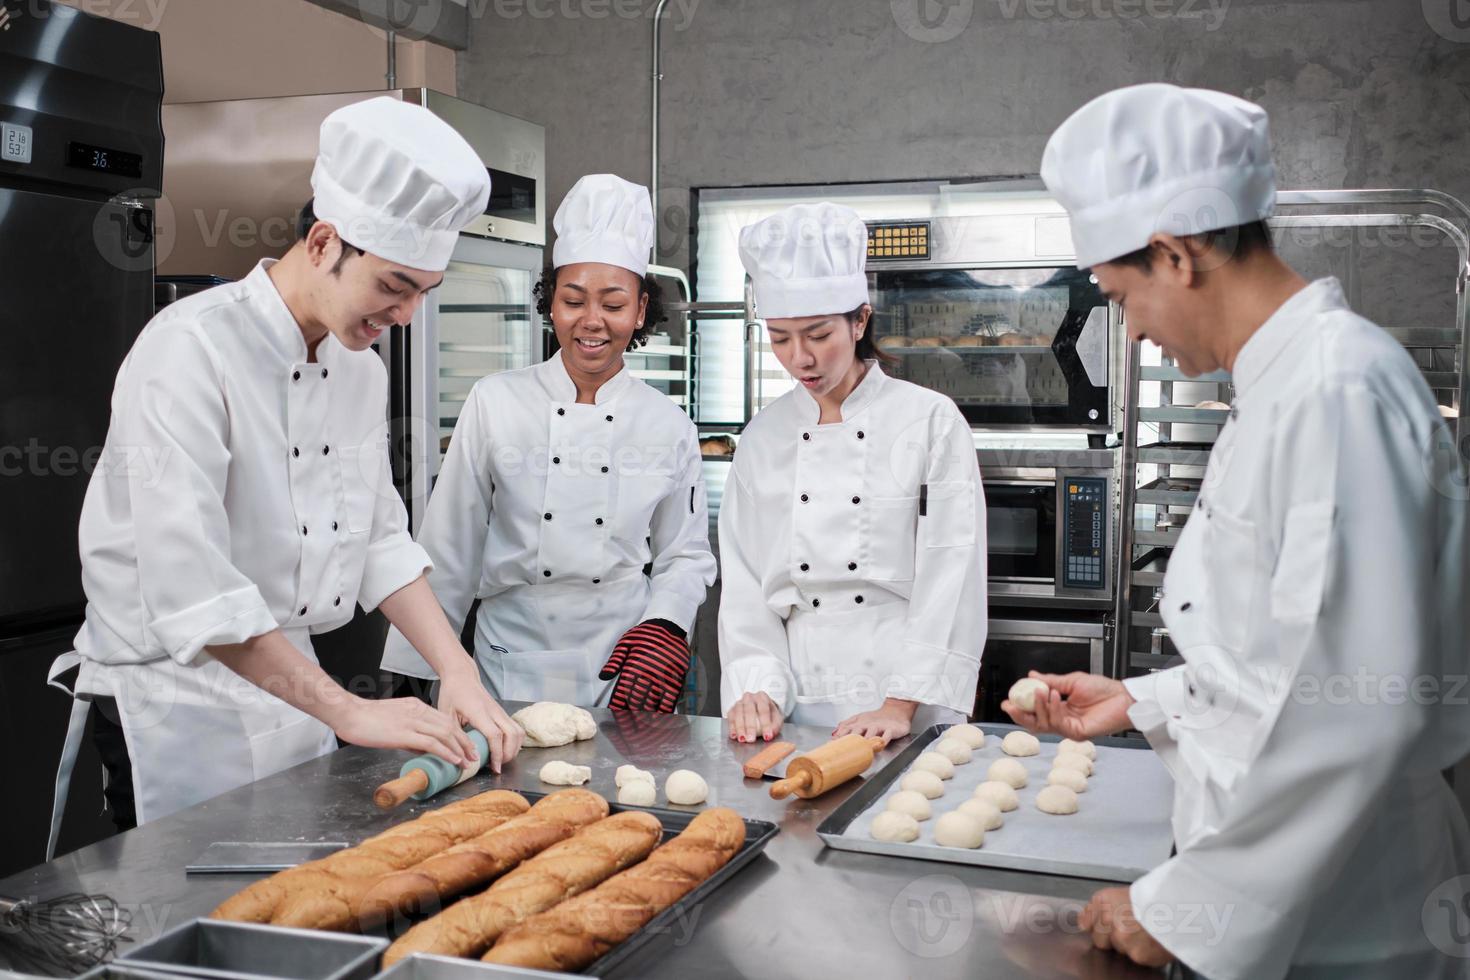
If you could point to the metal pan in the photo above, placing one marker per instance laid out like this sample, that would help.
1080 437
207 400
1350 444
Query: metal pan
423 966
217 950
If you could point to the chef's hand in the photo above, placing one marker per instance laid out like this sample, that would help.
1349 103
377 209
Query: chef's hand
888 722
1077 706
401 723
1110 920
462 696
650 662
754 716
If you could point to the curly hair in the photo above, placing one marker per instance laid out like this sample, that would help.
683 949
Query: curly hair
655 314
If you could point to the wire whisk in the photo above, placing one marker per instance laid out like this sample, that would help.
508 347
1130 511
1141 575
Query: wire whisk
62 936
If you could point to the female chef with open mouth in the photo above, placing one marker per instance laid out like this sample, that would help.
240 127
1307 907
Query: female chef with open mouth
852 530
565 479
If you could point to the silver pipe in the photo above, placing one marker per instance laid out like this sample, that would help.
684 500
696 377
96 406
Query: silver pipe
1127 493
392 59
658 77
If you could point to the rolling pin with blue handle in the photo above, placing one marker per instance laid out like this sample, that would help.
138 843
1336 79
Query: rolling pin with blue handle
426 775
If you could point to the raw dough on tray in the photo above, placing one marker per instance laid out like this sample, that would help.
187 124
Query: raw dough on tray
957 829
954 750
1056 799
935 763
924 782
1021 743
1001 794
893 826
908 801
1008 771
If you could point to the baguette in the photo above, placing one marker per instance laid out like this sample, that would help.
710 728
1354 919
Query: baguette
423 887
397 848
595 853
575 933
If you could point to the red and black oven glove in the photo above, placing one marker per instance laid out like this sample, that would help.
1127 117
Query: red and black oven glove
650 663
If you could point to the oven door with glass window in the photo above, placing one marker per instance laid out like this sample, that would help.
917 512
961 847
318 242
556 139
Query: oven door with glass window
1021 536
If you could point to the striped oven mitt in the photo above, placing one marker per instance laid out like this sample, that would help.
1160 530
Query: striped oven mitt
650 662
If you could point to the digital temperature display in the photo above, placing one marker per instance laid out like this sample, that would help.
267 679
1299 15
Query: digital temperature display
107 161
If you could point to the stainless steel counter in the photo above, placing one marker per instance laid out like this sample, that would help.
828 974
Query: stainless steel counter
798 910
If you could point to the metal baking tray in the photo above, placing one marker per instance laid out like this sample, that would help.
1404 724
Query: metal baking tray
1120 832
423 966
246 857
111 971
218 950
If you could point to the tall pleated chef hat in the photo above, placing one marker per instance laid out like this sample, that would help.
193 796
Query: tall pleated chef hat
605 219
397 181
1158 159
808 260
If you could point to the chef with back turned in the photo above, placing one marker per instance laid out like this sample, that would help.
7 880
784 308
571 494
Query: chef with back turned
1316 594
270 512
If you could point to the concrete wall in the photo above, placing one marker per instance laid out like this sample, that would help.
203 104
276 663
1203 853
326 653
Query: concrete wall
1361 92
245 49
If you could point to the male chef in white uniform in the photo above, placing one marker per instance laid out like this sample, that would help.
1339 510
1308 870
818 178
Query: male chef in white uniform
271 512
1315 594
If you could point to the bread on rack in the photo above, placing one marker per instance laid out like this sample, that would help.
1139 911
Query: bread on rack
592 855
423 887
397 848
577 932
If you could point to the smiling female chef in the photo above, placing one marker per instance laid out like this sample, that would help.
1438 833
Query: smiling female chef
852 530
564 479
273 513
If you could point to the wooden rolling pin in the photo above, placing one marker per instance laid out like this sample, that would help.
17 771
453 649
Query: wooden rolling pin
827 767
425 775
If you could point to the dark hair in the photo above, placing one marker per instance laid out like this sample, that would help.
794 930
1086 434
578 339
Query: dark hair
304 225
545 289
867 348
1238 241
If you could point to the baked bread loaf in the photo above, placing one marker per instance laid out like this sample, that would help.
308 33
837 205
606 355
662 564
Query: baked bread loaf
575 933
423 887
397 848
592 855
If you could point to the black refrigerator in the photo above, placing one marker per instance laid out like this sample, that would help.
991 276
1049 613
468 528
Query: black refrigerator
81 154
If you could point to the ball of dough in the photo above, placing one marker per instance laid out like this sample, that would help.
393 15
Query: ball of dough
969 734
999 794
686 788
1021 743
549 724
1073 760
559 773
987 813
1025 692
958 829
1056 799
632 774
1007 771
913 803
638 792
924 782
954 750
1081 748
1070 778
893 826
935 763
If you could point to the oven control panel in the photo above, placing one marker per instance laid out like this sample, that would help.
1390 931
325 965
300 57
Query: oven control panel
1084 529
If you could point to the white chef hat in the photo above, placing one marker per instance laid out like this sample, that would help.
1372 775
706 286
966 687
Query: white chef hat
605 219
397 181
1158 158
807 260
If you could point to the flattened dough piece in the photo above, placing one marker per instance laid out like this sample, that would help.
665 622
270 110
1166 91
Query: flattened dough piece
559 773
550 723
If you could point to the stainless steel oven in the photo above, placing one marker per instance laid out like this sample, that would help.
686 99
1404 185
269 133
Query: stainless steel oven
1054 644
1049 525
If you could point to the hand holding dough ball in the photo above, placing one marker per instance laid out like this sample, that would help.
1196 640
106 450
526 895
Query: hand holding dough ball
1056 799
1070 778
1073 760
923 782
638 792
987 813
999 794
954 750
686 788
958 829
632 774
1007 771
913 803
937 764
969 734
893 826
1025 692
559 773
549 724
1081 748
1021 743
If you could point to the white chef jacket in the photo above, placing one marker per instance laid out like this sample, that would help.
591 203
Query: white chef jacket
241 489
548 511
853 555
1321 577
